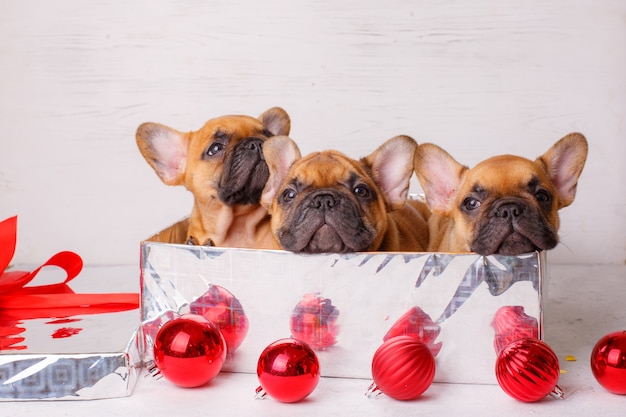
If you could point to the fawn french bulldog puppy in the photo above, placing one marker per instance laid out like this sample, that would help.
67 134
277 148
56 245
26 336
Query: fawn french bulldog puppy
504 205
222 165
328 202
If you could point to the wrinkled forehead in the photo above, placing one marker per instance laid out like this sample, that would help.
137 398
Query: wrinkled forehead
235 126
326 169
506 173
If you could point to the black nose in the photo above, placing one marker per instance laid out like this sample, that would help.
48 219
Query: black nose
323 201
509 210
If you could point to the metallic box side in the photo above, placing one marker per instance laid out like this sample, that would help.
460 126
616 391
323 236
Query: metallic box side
460 292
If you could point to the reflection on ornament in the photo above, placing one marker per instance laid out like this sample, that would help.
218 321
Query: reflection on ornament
402 368
189 350
224 309
511 323
528 370
314 321
608 362
416 323
288 371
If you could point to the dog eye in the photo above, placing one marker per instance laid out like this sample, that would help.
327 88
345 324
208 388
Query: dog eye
289 195
361 191
470 203
215 148
543 196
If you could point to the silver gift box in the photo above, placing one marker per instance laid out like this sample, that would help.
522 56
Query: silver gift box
76 357
368 293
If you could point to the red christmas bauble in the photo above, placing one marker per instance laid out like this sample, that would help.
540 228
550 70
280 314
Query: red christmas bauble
224 309
527 369
314 321
403 368
189 350
288 370
608 362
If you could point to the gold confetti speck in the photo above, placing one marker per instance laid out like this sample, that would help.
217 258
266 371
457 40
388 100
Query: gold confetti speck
570 358
563 371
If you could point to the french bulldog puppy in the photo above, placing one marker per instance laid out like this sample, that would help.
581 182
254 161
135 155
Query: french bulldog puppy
504 205
327 202
222 165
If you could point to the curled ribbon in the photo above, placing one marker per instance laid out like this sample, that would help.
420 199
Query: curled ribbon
19 302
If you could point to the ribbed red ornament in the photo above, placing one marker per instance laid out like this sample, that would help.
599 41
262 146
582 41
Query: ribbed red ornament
527 370
402 368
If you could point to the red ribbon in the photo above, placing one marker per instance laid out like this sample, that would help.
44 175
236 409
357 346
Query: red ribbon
19 302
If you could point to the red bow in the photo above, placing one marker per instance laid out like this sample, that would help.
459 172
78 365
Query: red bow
18 302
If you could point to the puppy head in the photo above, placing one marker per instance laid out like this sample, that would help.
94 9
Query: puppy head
327 202
222 160
506 204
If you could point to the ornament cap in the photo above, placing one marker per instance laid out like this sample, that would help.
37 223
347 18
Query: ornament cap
373 391
557 393
260 393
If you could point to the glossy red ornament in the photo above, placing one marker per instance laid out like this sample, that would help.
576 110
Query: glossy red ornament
189 350
608 362
511 323
402 368
416 323
288 370
528 370
224 309
314 321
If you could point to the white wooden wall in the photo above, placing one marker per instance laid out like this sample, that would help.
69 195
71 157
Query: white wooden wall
478 78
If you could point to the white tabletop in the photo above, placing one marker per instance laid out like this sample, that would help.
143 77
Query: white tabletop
583 303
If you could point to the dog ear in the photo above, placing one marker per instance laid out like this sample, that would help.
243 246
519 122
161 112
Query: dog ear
277 121
439 175
564 163
165 149
280 152
392 167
